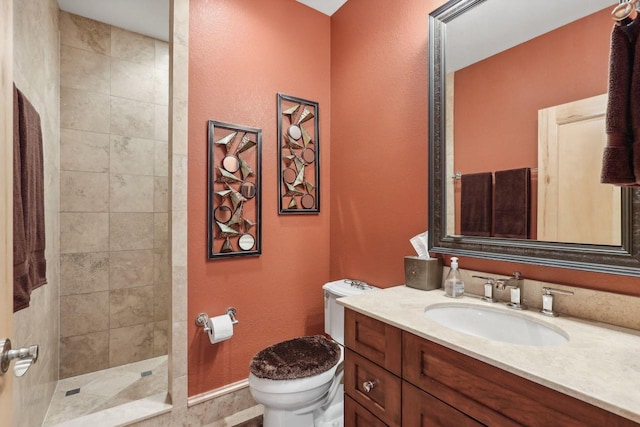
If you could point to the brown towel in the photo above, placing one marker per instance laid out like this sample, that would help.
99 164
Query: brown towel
635 99
512 197
475 200
29 233
617 161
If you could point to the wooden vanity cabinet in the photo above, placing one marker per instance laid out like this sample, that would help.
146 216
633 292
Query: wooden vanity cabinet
491 395
372 369
417 382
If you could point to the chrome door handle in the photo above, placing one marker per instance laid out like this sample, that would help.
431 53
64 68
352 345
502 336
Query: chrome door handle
26 357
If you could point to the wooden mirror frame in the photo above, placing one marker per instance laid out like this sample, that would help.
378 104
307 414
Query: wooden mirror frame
622 260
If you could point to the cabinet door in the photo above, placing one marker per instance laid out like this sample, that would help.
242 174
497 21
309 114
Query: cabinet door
376 389
375 340
356 416
422 409
491 395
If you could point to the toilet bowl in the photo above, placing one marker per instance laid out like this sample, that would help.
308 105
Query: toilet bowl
299 381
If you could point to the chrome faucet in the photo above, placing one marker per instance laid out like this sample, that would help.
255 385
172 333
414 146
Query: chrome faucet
547 300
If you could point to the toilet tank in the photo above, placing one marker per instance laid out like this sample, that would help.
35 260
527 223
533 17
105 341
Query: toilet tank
333 312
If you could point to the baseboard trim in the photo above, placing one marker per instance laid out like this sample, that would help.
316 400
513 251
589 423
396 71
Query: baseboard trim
214 394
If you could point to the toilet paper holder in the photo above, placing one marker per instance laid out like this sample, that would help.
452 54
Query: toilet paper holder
202 319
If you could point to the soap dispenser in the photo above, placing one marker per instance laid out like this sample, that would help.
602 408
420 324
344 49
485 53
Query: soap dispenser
453 284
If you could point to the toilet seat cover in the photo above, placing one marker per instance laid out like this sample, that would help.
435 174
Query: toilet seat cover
297 358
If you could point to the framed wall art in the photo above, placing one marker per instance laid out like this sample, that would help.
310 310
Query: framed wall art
298 156
234 191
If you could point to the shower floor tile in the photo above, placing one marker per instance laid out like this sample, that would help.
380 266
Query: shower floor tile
106 389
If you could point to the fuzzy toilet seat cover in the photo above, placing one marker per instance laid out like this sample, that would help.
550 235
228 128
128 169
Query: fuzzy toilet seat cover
297 358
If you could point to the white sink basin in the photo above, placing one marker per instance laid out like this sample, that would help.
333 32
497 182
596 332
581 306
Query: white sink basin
496 325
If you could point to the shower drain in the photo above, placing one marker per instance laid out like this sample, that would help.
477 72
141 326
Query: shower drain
72 392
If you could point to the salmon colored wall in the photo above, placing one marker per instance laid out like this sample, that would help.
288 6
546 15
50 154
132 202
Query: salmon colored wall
379 130
241 53
366 66
497 100
511 124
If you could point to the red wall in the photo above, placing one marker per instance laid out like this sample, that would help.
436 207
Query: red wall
241 53
367 68
379 130
497 99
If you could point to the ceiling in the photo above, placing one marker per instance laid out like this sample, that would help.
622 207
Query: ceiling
328 7
470 37
151 17
148 17
497 25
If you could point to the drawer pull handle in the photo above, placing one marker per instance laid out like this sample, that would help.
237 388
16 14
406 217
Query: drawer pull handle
368 386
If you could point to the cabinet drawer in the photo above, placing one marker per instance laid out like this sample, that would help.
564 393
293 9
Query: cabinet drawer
383 399
356 416
422 409
375 340
491 395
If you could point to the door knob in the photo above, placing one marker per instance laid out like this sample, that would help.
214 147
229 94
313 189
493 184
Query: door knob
26 356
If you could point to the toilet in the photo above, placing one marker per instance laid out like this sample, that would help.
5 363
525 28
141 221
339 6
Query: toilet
299 381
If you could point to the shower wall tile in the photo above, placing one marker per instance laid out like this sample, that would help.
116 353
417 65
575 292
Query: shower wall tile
133 81
84 272
179 294
84 33
162 57
131 193
133 47
84 232
82 110
179 352
131 118
179 182
114 118
133 156
130 306
129 269
161 87
84 353
179 129
84 151
130 344
161 124
160 338
181 74
84 192
160 194
84 70
161 266
36 72
161 231
84 313
129 231
161 301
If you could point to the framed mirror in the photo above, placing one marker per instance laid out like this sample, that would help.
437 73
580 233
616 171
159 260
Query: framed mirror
502 123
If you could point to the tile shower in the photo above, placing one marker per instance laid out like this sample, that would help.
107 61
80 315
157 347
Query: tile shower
114 278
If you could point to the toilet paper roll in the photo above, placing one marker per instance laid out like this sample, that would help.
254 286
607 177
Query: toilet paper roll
220 328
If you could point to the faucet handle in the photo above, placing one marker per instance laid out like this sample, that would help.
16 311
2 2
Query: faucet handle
547 300
488 288
515 294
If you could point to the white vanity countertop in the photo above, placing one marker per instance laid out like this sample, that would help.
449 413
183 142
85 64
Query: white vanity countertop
600 364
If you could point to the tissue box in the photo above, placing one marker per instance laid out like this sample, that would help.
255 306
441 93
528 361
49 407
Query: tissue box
422 273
